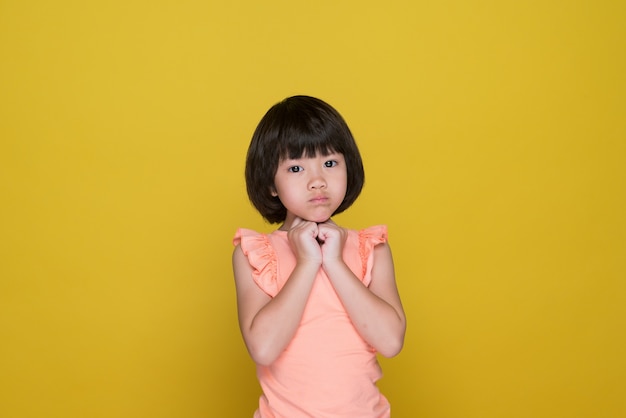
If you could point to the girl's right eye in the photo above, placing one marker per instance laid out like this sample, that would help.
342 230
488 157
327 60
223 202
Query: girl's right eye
295 169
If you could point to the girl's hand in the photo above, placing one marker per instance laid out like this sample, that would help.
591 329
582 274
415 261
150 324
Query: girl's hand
303 240
333 239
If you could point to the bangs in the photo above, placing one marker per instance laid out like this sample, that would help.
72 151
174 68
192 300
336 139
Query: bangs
304 133
305 146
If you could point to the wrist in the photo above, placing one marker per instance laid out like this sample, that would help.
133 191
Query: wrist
309 263
333 263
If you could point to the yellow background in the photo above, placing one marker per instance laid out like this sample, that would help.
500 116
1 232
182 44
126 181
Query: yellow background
494 139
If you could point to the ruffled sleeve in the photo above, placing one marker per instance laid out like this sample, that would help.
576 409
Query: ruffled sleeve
262 258
368 239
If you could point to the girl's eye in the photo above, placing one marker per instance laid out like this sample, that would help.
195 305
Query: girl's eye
330 163
295 169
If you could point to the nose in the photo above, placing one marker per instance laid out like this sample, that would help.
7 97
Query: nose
317 181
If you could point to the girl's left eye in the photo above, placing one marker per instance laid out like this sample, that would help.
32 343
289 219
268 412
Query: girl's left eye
330 163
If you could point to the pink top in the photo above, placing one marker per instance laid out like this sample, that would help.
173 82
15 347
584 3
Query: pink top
327 370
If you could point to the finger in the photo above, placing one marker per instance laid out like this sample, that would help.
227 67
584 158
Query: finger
326 228
304 228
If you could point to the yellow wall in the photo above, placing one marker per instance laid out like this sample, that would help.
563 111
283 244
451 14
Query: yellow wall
494 139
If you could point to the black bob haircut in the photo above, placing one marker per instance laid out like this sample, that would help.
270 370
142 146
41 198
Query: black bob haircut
299 126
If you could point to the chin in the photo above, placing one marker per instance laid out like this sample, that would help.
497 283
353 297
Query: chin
317 219
320 220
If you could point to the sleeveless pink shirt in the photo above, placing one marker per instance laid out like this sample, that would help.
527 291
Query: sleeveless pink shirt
327 370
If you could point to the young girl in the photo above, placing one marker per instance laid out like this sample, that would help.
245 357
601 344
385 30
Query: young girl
315 301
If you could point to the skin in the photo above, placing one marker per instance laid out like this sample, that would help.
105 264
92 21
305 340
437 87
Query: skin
312 189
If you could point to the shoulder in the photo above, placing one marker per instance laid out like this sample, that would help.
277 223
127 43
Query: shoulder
244 234
248 239
372 236
367 238
379 230
250 244
255 257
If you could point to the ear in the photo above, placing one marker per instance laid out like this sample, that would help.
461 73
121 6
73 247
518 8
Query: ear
273 191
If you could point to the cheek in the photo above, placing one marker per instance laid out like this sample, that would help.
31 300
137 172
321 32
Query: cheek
281 188
344 180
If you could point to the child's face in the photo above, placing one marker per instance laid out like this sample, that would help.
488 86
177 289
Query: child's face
311 188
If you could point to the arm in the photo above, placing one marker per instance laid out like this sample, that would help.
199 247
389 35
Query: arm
376 311
268 324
